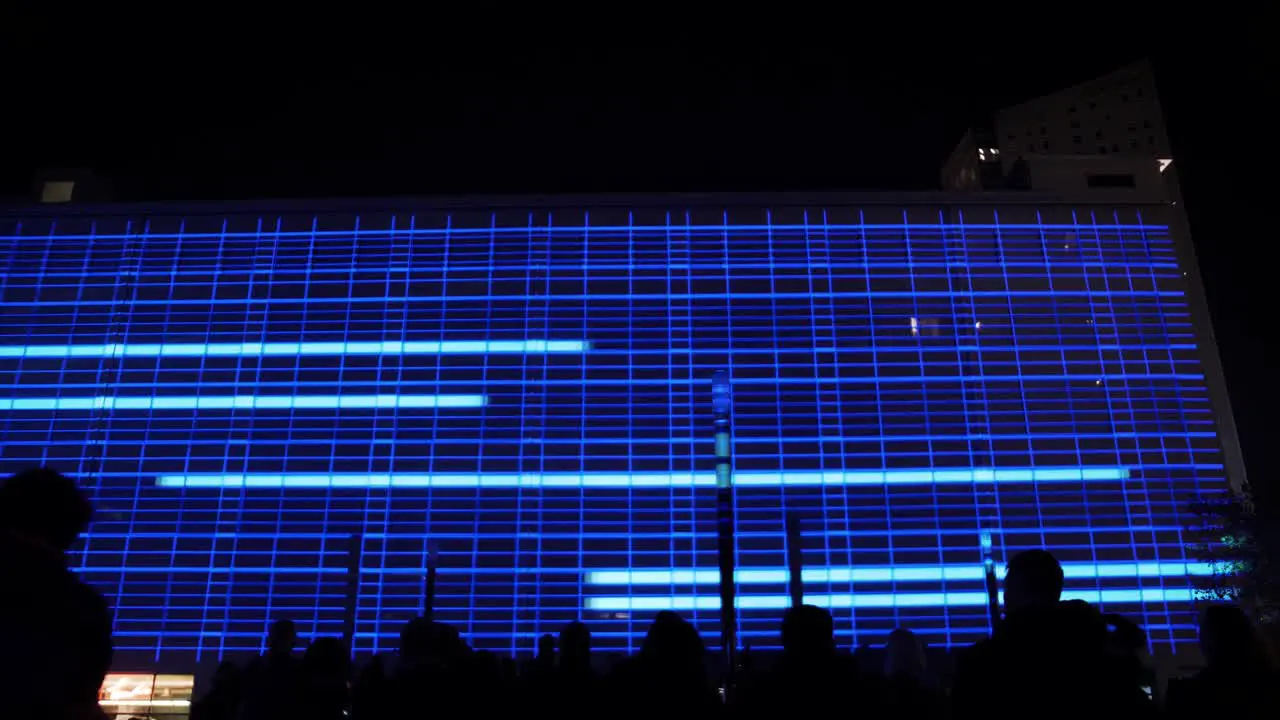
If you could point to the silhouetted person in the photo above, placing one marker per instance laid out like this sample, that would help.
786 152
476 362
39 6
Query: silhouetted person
1045 657
222 701
492 687
1032 583
810 676
1238 680
669 675
577 688
1126 649
435 666
55 631
370 693
544 663
575 648
273 682
326 668
907 689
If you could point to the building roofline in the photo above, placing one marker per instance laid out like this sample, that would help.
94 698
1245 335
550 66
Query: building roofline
1139 66
611 200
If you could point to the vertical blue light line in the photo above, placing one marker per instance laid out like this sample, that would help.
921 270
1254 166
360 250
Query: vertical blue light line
524 415
252 323
671 405
347 325
521 532
924 399
432 457
108 378
837 348
87 545
1104 268
1165 336
1075 251
729 342
817 372
997 522
545 419
956 262
475 545
980 446
776 342
382 501
173 541
1044 255
44 269
222 492
919 339
687 241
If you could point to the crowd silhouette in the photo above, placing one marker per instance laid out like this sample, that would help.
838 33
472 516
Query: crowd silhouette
1045 658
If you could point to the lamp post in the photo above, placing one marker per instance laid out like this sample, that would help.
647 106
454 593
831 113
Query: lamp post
429 592
722 402
993 588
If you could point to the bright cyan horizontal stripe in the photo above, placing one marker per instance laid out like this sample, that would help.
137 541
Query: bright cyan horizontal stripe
640 480
252 349
870 600
896 573
248 402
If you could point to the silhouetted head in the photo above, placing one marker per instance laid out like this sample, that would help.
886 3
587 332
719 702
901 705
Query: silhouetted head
226 677
327 656
547 648
903 655
422 639
673 641
1033 580
282 638
1228 638
415 638
575 645
44 506
1124 636
808 631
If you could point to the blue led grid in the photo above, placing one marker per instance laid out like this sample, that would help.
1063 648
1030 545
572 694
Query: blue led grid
529 391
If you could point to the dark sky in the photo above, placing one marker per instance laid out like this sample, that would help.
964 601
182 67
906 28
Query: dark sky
222 105
285 111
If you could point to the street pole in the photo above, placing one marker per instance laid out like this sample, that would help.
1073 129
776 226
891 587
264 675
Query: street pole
726 536
795 562
993 587
355 551
429 596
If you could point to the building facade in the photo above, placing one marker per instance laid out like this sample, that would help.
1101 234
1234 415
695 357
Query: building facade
1105 132
284 411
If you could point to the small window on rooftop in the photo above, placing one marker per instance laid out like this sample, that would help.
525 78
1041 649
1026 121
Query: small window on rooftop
57 191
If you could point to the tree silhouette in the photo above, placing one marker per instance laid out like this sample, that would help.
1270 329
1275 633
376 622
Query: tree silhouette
1234 536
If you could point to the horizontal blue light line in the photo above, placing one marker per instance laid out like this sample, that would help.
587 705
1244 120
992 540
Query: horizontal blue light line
639 479
871 600
249 349
534 230
497 347
443 298
895 573
1091 378
164 273
745 576
237 402
211 570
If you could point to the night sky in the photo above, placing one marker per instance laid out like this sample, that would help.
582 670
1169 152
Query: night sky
230 106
